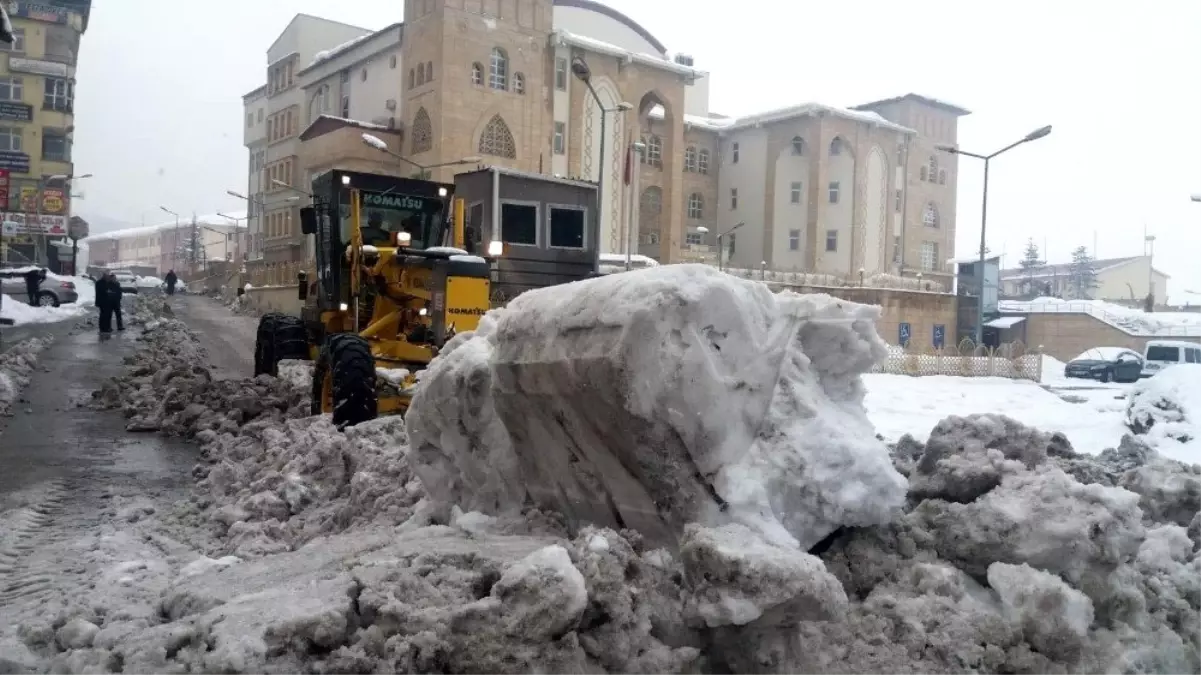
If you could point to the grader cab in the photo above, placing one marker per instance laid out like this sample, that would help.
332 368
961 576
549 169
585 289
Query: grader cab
396 279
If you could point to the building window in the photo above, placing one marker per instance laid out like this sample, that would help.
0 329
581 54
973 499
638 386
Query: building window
690 159
930 216
702 162
834 192
896 249
518 83
18 45
900 154
345 106
249 118
60 95
422 133
654 151
798 146
922 173
498 70
733 153
732 248
932 173
497 140
55 147
392 61
696 206
733 199
929 255
794 192
519 223
363 75
561 74
560 140
897 199
429 71
567 226
942 176
831 241
420 74
794 240
10 139
836 147
344 76
477 74
694 238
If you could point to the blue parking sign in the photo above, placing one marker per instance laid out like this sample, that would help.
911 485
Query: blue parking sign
940 334
904 331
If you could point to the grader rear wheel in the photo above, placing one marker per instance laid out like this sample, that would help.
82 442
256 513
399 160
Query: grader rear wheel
344 381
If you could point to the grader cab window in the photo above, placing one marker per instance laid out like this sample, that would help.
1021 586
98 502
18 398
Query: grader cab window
384 214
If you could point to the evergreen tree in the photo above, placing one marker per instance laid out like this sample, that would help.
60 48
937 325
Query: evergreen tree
1082 276
1030 265
189 248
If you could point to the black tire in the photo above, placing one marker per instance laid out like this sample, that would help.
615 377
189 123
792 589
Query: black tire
47 299
352 368
264 355
289 340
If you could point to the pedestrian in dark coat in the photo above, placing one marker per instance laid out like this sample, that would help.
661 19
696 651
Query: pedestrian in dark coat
108 300
171 280
33 281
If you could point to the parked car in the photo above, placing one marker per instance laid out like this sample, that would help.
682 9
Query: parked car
52 291
1107 364
1160 354
128 281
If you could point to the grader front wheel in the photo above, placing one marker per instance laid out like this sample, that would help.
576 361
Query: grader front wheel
279 337
344 381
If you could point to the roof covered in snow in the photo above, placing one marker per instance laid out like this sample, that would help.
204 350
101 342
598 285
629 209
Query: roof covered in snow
1065 269
720 123
617 16
937 103
563 37
327 55
209 220
327 123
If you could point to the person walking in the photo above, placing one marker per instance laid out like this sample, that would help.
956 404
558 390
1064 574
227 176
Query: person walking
171 280
33 282
103 304
114 299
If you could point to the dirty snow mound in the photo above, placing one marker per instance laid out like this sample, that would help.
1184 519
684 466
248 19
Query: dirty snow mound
1166 410
16 365
661 397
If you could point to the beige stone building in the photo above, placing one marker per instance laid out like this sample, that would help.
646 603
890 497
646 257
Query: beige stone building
1128 279
812 188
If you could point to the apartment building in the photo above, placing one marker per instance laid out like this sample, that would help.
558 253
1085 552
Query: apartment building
166 246
813 187
37 104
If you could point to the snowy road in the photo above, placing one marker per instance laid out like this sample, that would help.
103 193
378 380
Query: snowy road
228 337
67 471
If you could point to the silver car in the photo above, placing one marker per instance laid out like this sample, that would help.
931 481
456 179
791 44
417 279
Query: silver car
52 292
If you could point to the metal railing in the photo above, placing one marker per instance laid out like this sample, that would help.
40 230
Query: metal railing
1011 361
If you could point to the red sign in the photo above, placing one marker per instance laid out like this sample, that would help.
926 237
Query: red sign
54 201
4 189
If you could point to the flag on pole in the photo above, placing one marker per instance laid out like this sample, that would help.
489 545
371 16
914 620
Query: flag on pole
626 176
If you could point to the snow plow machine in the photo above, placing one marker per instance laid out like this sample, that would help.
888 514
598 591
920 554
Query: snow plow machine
396 279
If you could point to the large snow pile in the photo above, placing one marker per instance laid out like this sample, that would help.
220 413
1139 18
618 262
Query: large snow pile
1167 408
657 398
16 365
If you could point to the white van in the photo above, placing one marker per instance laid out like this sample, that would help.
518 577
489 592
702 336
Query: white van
1160 354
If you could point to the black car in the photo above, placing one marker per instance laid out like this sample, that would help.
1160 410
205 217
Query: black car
1107 364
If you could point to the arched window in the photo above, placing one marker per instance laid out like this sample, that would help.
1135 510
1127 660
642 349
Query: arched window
650 208
412 78
422 132
696 206
420 74
922 173
690 159
518 83
654 151
930 216
942 176
836 147
798 146
497 140
477 74
932 173
429 71
498 70
702 162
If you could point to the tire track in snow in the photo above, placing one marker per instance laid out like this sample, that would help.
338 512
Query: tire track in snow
27 529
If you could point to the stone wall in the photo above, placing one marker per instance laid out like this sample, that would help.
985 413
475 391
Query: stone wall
1065 336
920 309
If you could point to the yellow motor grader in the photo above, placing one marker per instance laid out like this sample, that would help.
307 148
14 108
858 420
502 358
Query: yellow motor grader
396 278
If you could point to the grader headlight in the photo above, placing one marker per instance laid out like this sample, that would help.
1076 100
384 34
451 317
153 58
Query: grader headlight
496 248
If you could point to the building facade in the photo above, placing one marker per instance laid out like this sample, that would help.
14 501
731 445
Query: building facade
1128 279
811 188
168 245
37 120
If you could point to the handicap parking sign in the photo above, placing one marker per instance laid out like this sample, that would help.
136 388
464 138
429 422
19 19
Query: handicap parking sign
904 332
940 332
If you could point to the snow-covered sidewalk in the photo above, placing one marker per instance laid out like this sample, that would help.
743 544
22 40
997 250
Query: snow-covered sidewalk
15 308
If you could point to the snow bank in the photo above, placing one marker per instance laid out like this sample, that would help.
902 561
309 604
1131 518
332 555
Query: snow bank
16 365
1166 411
657 398
21 313
1134 320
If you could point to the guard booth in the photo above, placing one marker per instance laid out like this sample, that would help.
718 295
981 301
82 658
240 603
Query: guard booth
548 226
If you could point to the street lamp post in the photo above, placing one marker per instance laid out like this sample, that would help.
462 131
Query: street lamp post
721 250
579 68
635 220
379 144
1032 136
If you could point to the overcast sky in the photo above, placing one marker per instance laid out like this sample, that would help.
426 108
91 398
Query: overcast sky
159 109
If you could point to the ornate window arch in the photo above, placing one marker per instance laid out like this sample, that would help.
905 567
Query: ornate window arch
422 133
497 140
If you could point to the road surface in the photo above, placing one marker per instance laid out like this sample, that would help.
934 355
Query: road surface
228 337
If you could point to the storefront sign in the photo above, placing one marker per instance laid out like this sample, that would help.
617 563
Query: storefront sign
15 162
54 201
28 223
36 67
39 11
29 199
18 112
